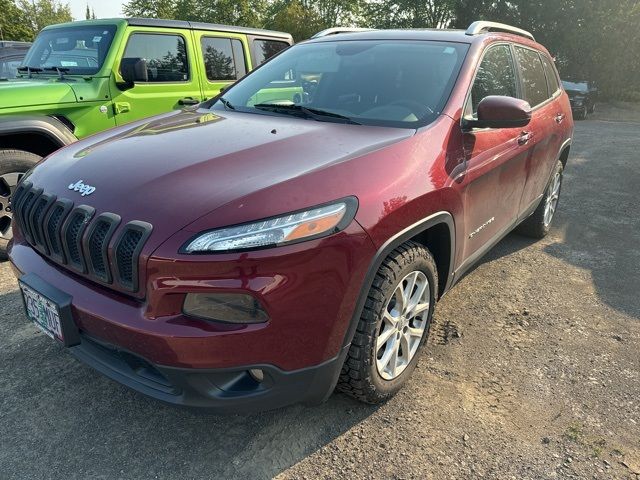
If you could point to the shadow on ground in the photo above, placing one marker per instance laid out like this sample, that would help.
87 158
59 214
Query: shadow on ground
66 418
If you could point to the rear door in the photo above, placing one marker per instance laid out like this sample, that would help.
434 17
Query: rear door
542 94
173 75
494 157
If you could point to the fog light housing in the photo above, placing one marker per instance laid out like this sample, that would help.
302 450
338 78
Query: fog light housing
235 308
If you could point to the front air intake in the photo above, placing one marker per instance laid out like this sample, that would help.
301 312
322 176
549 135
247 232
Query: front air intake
75 239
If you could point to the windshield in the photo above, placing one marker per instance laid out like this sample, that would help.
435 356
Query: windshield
577 86
390 83
73 50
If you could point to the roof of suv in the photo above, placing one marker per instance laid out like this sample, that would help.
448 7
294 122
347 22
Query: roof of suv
183 24
477 32
15 45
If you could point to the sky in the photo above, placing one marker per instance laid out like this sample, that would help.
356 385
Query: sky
103 8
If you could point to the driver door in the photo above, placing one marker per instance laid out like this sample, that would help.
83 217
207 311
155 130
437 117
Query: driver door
495 159
172 75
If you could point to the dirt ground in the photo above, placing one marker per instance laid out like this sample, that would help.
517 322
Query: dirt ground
532 371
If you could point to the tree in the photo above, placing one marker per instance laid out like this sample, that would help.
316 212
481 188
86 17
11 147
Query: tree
13 24
38 14
150 8
90 14
409 13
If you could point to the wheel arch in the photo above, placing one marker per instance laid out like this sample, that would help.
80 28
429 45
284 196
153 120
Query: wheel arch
564 152
41 135
437 233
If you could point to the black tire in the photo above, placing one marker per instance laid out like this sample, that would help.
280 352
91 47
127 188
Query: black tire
592 108
535 226
581 114
360 377
11 161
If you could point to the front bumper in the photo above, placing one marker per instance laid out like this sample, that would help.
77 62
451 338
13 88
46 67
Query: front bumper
309 291
226 390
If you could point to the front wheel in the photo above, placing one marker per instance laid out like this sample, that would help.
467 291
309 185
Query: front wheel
13 165
393 326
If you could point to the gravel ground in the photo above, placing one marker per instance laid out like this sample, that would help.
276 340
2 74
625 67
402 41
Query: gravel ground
532 371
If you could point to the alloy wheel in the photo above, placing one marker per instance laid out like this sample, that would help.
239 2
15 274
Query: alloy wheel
8 184
404 321
551 201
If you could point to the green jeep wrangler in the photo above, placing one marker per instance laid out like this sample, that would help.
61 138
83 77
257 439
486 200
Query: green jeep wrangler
84 77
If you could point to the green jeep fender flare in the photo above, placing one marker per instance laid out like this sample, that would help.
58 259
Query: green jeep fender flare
37 134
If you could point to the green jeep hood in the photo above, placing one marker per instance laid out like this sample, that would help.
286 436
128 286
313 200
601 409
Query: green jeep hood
27 93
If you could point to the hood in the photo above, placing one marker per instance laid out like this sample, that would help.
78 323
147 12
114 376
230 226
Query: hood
28 92
171 170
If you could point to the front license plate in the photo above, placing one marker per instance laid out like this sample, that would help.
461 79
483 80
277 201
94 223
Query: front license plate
43 312
49 308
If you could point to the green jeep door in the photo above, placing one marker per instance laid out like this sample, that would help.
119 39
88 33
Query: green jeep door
173 77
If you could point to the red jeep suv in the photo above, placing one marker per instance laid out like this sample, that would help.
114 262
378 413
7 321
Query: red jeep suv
294 233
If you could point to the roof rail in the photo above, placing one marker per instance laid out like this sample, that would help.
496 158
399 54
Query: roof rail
479 27
336 30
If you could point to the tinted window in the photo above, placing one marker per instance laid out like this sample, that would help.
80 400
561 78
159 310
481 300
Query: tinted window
263 50
534 81
496 76
223 58
375 82
552 78
166 56
78 50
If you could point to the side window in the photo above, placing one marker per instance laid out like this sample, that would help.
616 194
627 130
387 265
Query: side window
223 58
552 78
534 81
166 56
496 76
263 50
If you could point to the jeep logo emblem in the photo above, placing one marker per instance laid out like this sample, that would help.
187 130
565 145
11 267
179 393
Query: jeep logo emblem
83 189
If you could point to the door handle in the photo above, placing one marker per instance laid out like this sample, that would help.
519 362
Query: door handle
524 138
559 118
188 101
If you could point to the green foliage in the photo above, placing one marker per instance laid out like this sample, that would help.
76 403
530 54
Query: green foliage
13 22
38 14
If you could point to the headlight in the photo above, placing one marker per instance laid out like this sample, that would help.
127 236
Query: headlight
286 229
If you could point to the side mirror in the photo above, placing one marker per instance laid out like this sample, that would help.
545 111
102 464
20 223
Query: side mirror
500 112
133 70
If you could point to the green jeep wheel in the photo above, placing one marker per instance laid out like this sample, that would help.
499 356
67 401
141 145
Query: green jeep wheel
13 165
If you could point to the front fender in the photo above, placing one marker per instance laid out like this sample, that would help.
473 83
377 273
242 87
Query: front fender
50 127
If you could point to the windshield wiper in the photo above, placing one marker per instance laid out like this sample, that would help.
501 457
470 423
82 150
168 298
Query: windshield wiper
29 70
60 70
227 104
315 113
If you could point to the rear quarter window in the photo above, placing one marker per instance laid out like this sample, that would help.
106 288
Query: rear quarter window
553 83
534 80
263 50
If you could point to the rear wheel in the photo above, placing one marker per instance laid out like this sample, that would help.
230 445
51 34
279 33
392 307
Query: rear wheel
592 108
13 165
581 114
393 327
539 223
